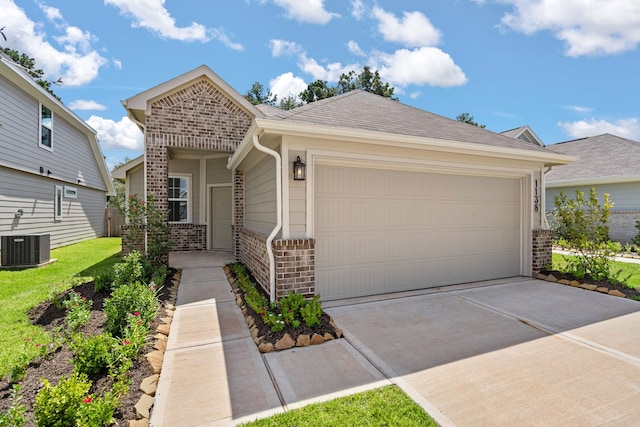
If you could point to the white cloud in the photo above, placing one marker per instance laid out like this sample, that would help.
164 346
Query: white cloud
77 63
579 109
283 47
52 13
355 48
307 11
588 28
330 72
425 65
626 128
83 104
357 9
112 135
152 15
286 84
221 36
413 30
118 64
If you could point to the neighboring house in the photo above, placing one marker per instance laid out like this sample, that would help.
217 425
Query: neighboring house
132 175
394 198
525 134
610 164
53 177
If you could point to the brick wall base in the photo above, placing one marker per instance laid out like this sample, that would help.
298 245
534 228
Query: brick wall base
294 259
125 232
541 250
189 237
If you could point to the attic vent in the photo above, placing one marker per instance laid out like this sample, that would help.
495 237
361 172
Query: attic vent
25 250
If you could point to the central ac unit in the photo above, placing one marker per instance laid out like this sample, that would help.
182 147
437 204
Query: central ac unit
25 250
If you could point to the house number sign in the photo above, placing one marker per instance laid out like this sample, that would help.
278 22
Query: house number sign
536 197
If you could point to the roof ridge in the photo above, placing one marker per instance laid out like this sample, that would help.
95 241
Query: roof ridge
319 103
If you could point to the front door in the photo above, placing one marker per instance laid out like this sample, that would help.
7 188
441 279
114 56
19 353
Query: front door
220 218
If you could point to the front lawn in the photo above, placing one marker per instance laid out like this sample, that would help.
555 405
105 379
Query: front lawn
629 272
21 290
386 406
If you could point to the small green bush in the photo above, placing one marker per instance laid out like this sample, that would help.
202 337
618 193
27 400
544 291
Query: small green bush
59 406
135 299
311 312
130 270
78 311
103 282
93 353
97 411
16 413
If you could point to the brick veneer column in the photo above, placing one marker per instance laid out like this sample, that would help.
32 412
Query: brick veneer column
541 250
295 267
238 213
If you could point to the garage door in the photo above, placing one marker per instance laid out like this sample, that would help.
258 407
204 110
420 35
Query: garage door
380 231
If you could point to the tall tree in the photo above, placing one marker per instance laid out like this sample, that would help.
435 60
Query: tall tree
318 90
468 118
289 103
29 64
367 81
258 94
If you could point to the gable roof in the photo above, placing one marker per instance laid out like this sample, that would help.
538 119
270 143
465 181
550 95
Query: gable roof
19 76
525 134
138 105
602 159
120 173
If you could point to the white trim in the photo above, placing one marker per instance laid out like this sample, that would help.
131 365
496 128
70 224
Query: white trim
209 216
202 211
70 192
189 179
57 202
284 154
40 125
526 257
623 179
178 155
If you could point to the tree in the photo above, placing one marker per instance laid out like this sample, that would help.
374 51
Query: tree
257 95
366 81
318 90
29 64
289 103
468 118
119 200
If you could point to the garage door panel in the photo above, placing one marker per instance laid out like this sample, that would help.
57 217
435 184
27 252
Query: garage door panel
387 230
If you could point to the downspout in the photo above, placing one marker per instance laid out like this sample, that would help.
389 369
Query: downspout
276 229
545 223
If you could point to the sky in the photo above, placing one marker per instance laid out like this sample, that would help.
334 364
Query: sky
566 68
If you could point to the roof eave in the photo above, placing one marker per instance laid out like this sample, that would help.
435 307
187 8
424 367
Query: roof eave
622 179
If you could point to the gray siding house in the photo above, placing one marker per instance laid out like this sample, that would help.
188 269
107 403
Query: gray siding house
53 177
611 165
394 198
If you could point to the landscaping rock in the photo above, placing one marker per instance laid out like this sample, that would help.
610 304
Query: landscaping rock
541 276
143 406
602 289
338 332
254 331
139 423
574 283
551 278
250 321
150 384
588 287
285 342
160 336
160 345
303 340
166 320
258 340
168 312
155 359
170 306
564 281
328 336
316 339
163 328
239 301
265 347
617 293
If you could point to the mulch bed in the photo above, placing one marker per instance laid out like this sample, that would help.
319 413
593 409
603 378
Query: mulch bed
59 363
631 293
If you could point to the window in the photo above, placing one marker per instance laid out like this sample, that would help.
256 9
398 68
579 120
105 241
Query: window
46 128
57 203
179 209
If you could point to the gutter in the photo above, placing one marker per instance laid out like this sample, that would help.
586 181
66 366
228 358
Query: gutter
276 229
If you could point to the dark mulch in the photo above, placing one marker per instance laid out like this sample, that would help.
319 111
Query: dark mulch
631 293
58 363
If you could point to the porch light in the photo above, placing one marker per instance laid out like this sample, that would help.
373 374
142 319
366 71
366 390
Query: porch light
299 170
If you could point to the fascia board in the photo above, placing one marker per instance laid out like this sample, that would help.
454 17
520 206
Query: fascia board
593 181
407 141
244 148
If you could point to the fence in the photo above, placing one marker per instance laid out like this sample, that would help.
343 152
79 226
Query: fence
114 221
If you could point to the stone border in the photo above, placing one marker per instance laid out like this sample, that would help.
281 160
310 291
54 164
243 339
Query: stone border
576 284
286 342
154 359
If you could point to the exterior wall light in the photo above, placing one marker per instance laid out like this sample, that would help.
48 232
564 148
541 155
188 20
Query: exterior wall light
299 170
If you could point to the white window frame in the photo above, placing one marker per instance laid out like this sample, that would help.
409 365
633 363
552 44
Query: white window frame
57 202
187 177
41 125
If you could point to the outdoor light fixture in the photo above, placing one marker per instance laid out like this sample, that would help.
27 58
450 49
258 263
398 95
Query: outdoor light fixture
299 170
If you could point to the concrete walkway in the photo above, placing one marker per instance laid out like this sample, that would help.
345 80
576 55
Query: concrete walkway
500 353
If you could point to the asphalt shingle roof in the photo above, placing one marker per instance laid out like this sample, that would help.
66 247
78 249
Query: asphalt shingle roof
366 111
599 156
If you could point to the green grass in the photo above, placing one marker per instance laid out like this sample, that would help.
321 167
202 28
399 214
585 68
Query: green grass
386 406
629 272
21 290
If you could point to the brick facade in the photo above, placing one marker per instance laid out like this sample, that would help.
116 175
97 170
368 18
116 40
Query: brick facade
295 267
541 250
125 231
198 116
238 212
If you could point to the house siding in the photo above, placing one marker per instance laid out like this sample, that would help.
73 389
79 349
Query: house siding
83 218
217 172
297 200
20 119
260 197
135 180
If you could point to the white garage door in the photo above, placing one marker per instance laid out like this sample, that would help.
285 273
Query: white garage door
381 231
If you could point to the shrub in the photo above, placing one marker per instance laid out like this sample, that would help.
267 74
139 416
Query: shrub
311 312
92 354
103 282
59 406
145 218
97 411
78 311
15 415
130 270
584 222
135 299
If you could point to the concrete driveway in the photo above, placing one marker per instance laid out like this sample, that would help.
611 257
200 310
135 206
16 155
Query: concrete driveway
514 352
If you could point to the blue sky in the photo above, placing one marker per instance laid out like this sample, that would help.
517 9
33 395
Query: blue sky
568 69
